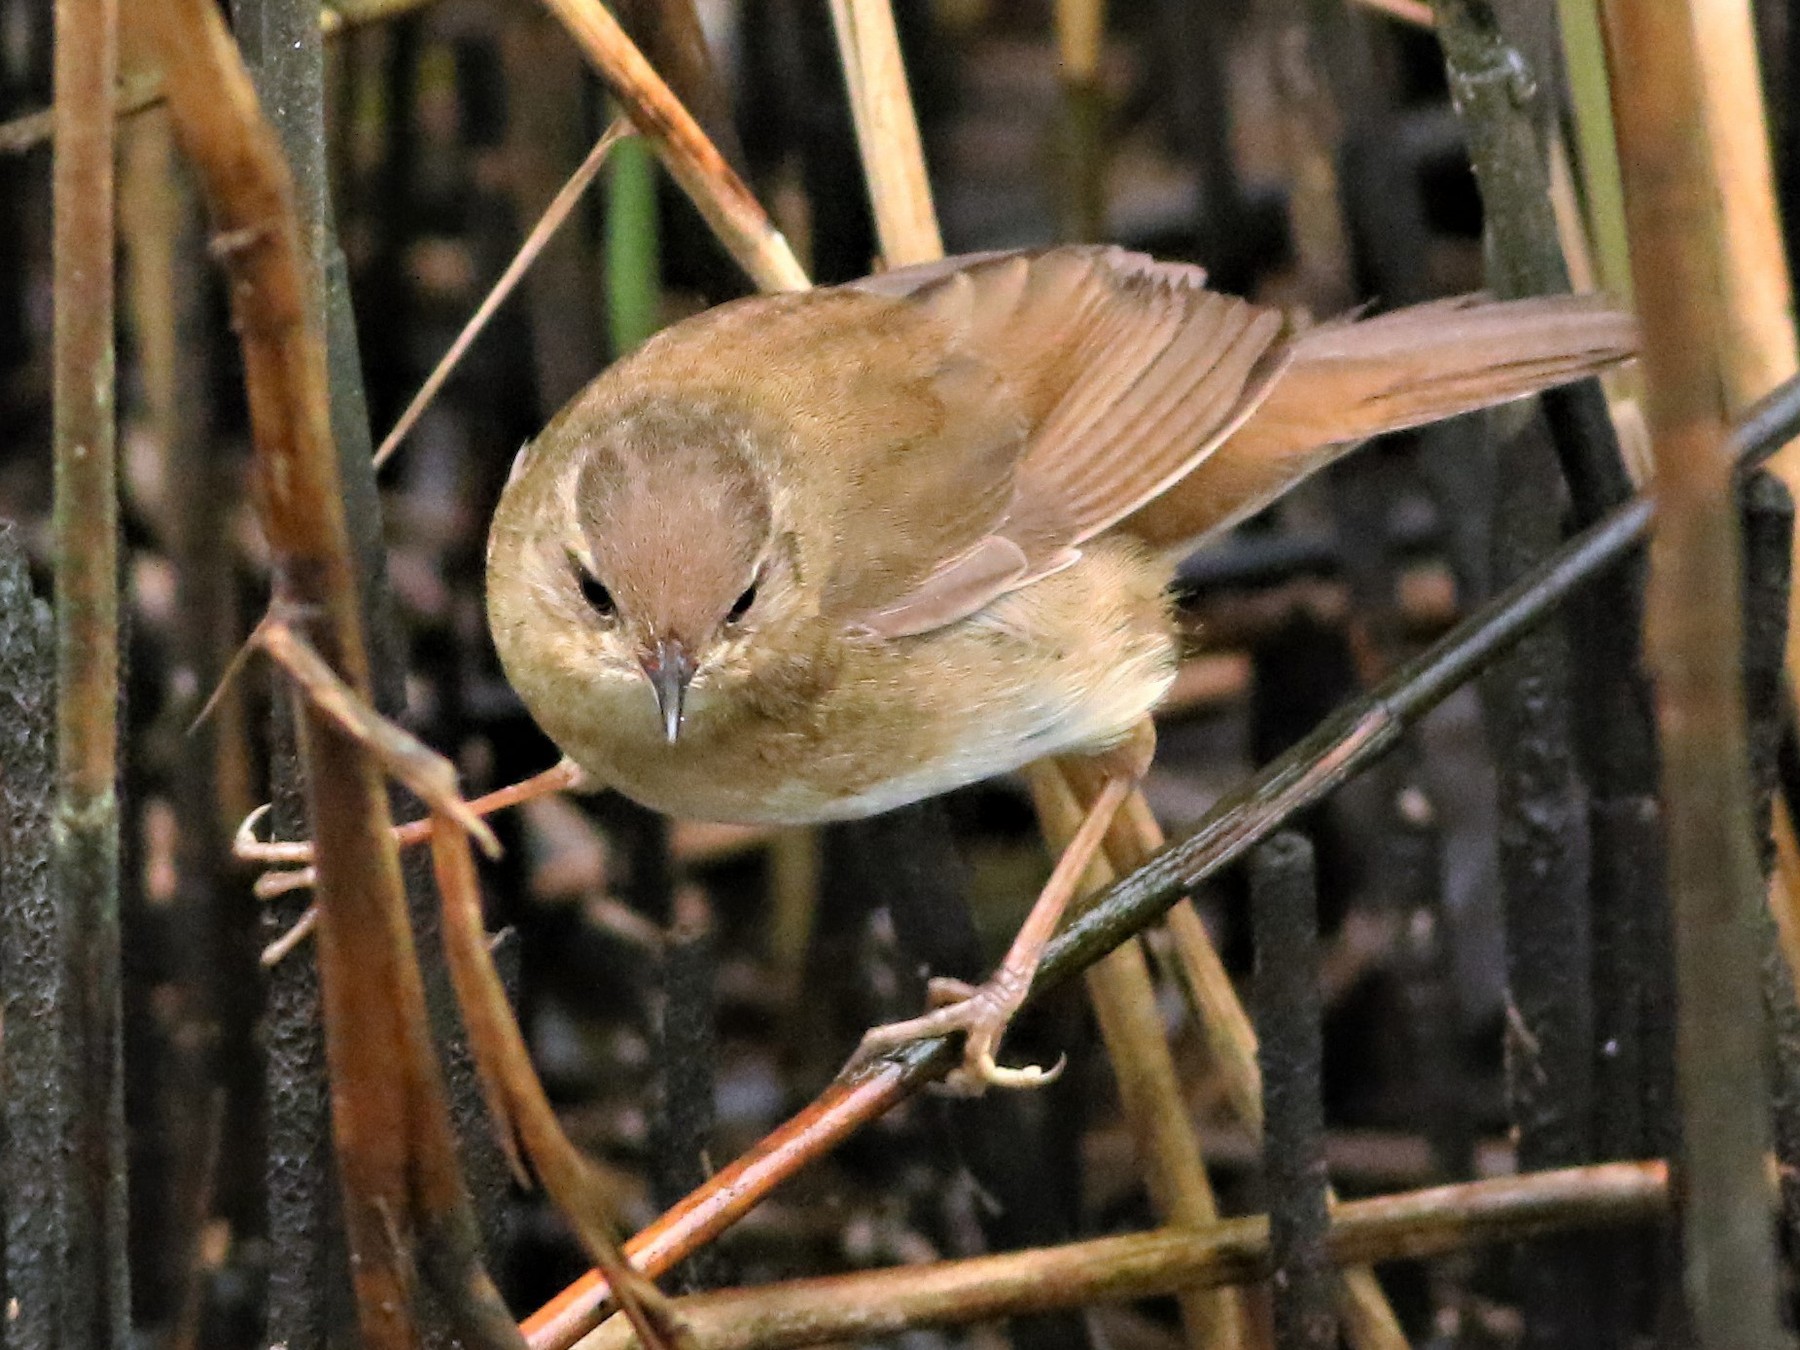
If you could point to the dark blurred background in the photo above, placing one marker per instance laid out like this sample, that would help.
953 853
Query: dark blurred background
685 987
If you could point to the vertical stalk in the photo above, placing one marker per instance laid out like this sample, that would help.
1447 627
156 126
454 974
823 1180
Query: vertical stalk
633 249
892 155
1694 643
1080 32
85 835
1758 293
1584 54
285 57
1290 1036
1768 524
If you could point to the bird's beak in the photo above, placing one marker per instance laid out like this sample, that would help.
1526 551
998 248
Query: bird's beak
669 668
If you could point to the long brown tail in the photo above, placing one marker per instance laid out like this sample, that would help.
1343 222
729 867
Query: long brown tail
1348 381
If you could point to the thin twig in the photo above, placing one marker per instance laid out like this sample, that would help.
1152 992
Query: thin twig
554 215
426 773
864 1307
135 94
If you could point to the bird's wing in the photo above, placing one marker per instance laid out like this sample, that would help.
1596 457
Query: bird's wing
1108 375
1347 381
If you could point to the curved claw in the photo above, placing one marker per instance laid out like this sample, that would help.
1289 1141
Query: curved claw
981 1013
278 950
271 884
985 1072
246 847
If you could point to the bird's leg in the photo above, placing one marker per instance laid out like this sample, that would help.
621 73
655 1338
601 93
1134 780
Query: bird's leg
982 1012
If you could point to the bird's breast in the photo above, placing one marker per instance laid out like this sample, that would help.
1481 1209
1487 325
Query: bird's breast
853 726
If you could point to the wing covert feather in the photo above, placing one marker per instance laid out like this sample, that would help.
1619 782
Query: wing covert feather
1124 372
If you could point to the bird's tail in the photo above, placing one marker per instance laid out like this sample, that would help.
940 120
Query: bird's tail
1349 380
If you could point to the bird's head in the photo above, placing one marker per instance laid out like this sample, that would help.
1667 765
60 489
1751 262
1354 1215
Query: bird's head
646 551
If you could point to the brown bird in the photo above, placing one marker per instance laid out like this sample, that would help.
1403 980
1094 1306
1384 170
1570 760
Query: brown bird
813 556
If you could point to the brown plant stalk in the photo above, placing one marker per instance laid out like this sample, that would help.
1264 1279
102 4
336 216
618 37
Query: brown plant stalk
1694 635
84 848
728 206
887 133
402 1184
554 215
867 1306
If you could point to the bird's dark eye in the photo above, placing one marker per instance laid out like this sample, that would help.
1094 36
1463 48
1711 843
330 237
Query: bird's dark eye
741 606
595 593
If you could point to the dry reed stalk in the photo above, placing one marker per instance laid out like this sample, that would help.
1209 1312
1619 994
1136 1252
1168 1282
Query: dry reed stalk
402 1187
1758 295
736 218
84 839
1080 38
1080 32
869 1306
1155 1109
887 132
1760 347
135 93
1673 199
85 443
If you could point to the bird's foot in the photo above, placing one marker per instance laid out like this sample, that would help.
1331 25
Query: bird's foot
981 1012
290 863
